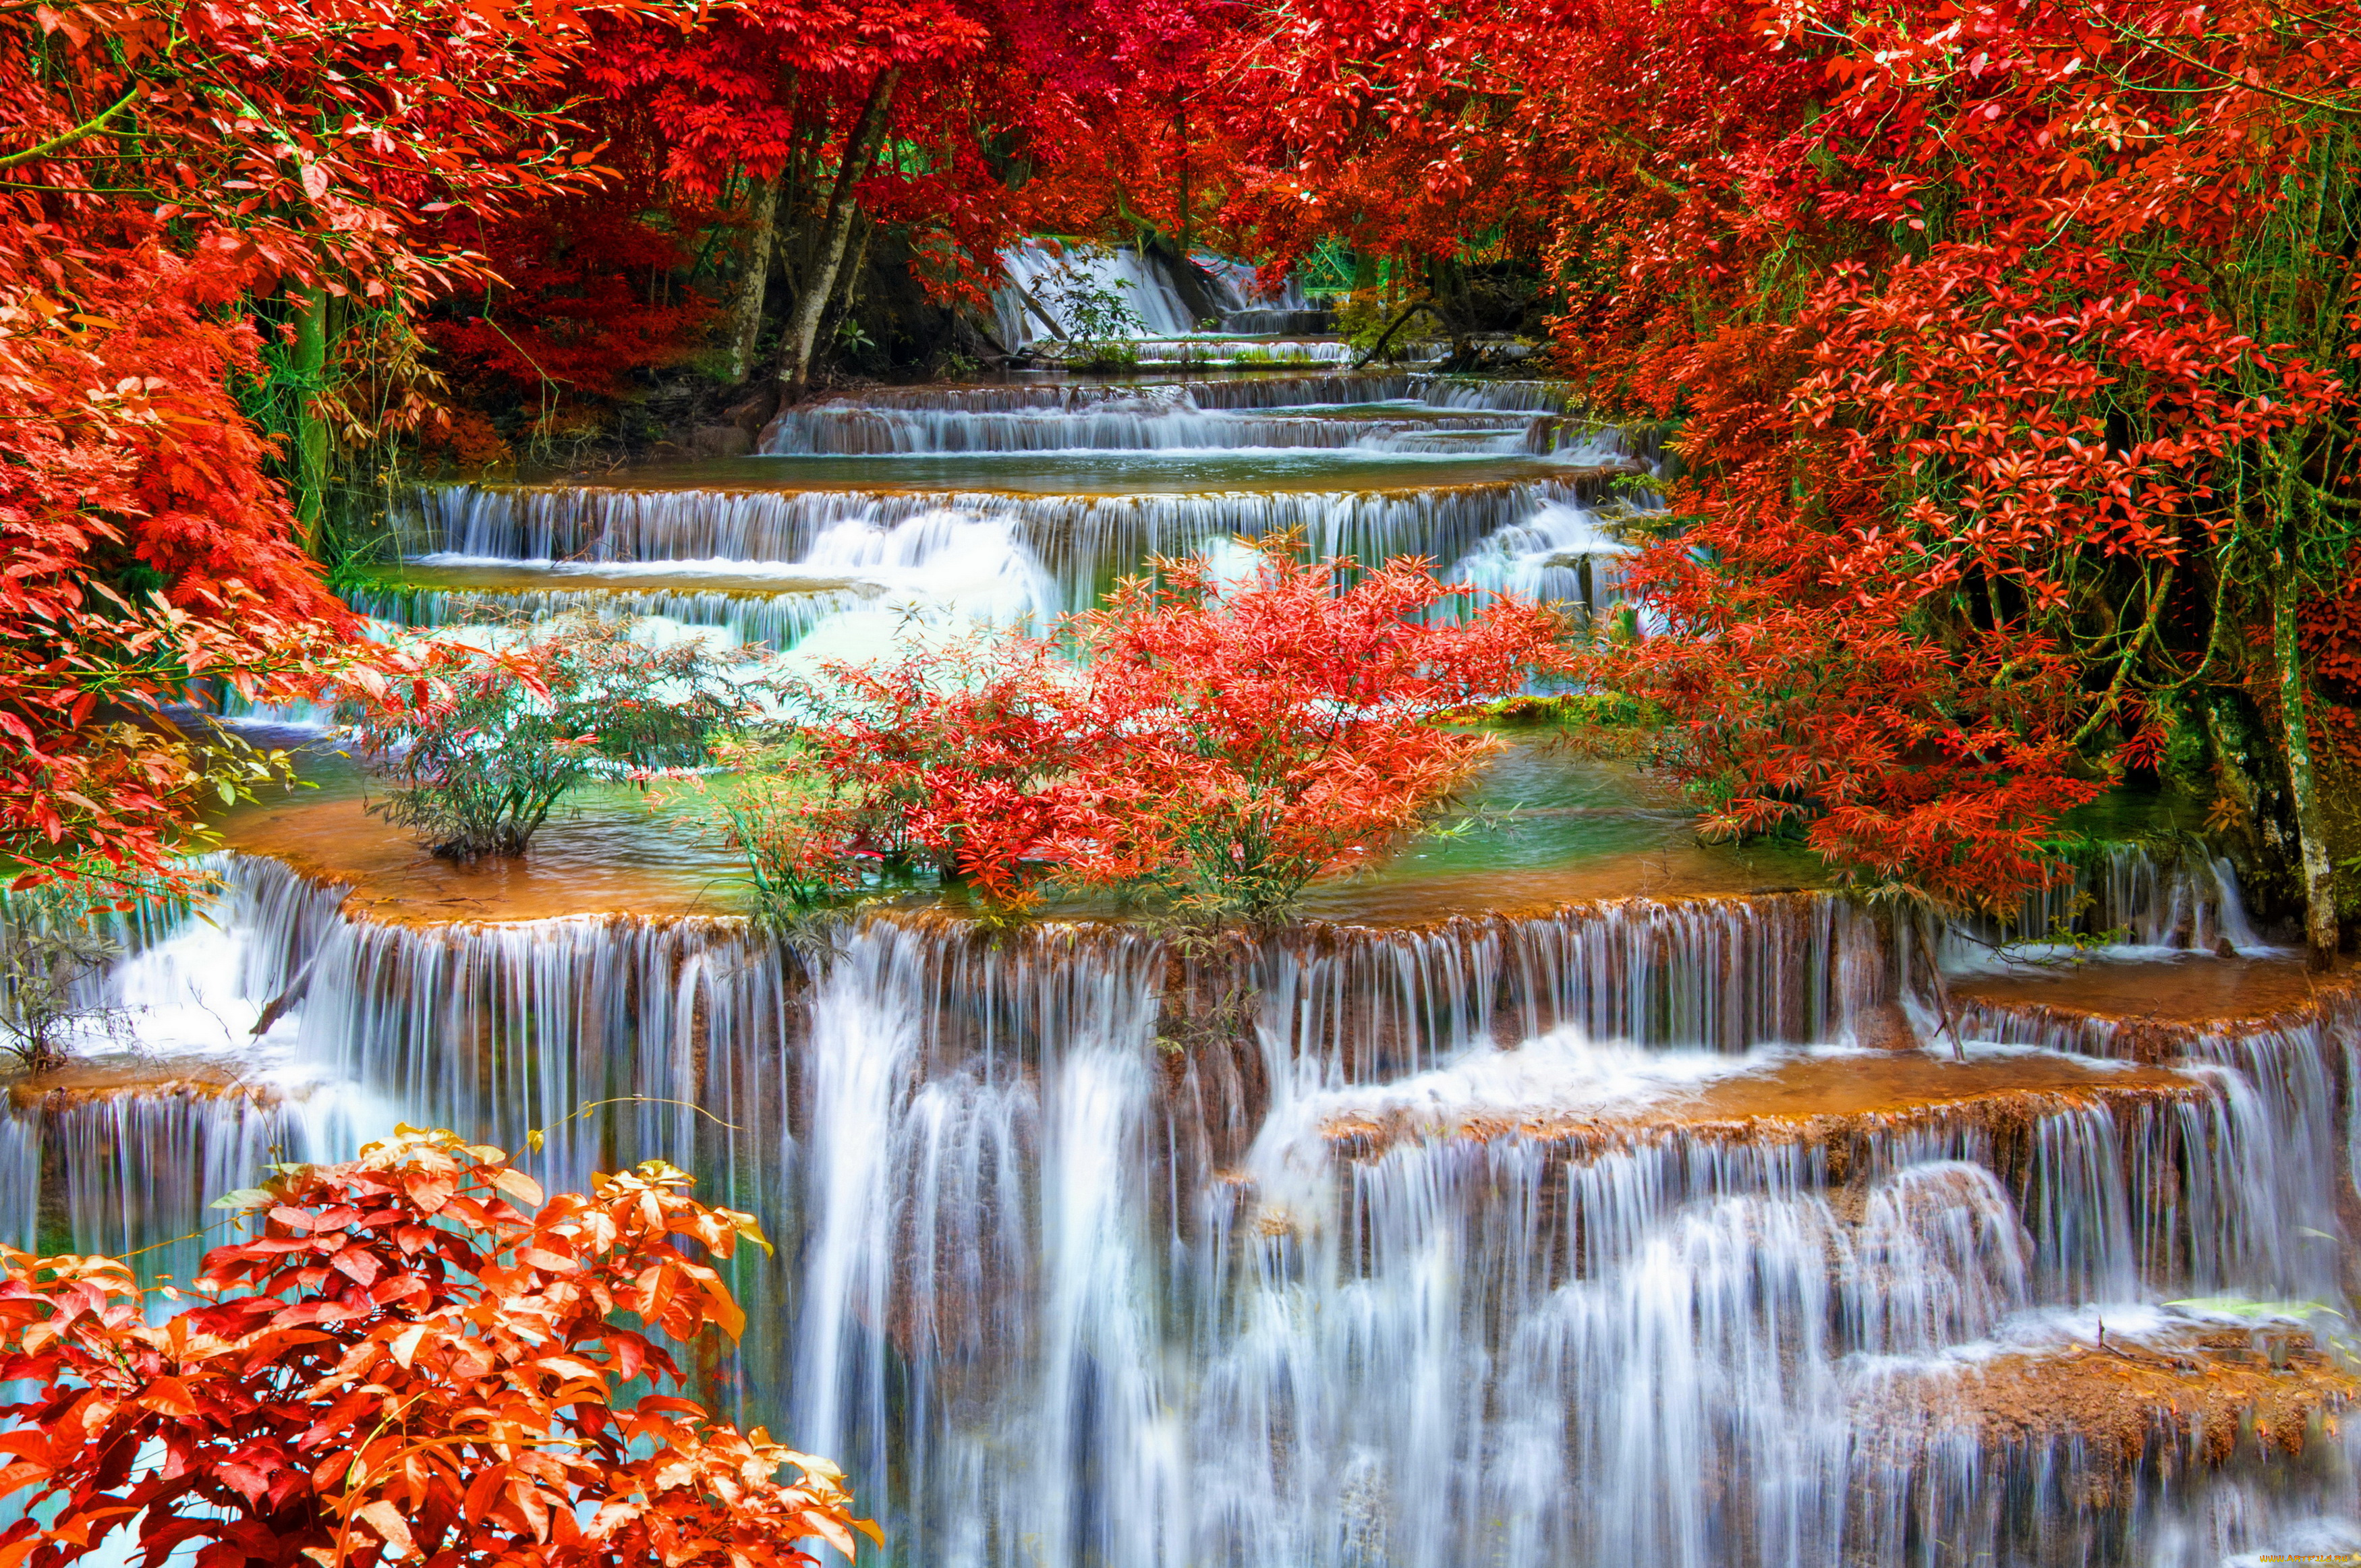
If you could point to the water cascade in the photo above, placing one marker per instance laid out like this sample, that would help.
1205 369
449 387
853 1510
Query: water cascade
1692 1225
1494 479
1228 303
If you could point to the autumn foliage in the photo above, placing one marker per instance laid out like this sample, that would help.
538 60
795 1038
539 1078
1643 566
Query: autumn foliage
148 558
179 186
415 1357
2005 349
1222 744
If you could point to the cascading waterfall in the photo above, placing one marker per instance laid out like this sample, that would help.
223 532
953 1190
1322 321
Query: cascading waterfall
527 552
1561 553
1079 543
20 1178
1060 1288
1144 423
1124 273
1078 535
1146 288
777 620
2181 897
1588 1235
1352 1004
1380 413
214 1094
1243 353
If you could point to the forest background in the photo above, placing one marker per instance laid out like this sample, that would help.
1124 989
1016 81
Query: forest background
2004 351
2002 355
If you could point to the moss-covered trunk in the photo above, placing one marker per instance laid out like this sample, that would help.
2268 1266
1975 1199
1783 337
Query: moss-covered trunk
308 368
2318 873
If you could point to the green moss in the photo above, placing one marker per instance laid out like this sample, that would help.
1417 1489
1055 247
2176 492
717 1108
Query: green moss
1578 710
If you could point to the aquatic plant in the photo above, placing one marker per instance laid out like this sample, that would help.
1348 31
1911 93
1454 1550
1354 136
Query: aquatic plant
413 1356
482 744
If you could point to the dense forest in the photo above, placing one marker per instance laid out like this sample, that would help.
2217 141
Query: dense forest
2003 350
1986 377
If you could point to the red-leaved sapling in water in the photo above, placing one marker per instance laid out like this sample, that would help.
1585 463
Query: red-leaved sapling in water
482 744
1219 743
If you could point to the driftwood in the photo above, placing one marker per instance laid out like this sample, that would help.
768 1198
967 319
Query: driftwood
1388 336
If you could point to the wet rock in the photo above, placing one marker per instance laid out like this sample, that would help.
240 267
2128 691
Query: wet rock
1885 1027
720 441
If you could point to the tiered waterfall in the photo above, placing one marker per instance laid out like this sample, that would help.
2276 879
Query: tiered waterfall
1589 1233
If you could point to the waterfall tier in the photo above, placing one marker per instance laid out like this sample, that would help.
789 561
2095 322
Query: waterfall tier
614 525
1346 412
1145 1258
1218 294
1014 503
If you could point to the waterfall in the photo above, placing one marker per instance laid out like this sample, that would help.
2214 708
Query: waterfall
1149 292
1080 542
1595 1234
780 563
2183 898
1354 412
1562 552
777 620
1149 421
1348 1003
1498 1238
20 1178
140 1170
1125 272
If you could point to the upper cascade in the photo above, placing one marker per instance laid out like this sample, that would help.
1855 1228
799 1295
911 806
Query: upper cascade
1345 413
1155 294
1055 489
772 564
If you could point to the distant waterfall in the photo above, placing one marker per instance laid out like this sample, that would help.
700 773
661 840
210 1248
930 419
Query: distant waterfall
1034 269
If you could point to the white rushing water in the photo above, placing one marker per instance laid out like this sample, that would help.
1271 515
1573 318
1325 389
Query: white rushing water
1058 1291
1427 1256
1046 271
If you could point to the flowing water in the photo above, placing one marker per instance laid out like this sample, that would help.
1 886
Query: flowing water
1542 1201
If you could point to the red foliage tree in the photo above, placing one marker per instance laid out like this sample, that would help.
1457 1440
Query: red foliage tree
1223 744
2005 342
159 165
586 300
789 143
416 1358
146 556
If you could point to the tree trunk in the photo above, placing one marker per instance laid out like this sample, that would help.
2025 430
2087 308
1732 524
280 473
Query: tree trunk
746 311
820 280
1181 153
1387 336
849 279
2311 830
308 369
